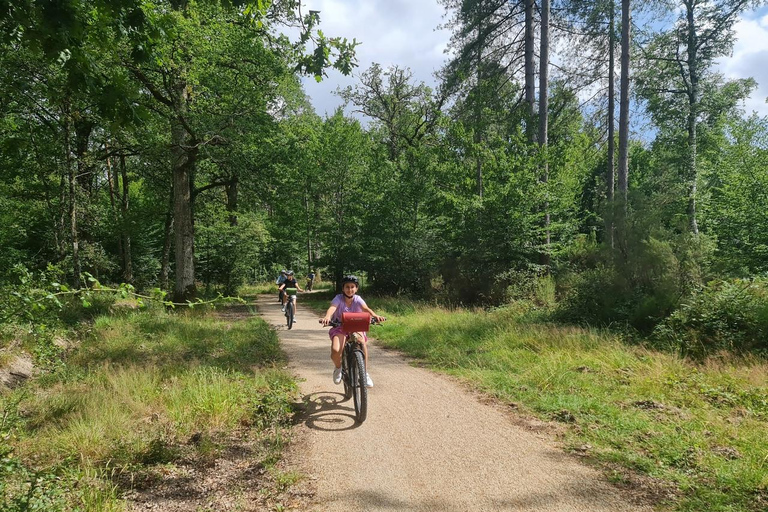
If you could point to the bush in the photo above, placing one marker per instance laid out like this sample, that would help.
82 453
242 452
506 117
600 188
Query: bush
639 286
724 315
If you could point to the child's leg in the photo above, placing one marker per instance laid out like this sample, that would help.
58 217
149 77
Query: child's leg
337 345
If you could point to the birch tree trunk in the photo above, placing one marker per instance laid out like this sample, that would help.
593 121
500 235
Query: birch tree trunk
544 119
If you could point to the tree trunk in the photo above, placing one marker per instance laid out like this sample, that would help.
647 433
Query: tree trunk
624 104
543 120
167 239
693 107
72 181
184 153
309 227
61 223
126 236
113 180
231 189
609 175
83 128
530 83
478 105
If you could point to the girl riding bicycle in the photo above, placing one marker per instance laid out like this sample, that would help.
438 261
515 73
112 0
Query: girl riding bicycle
347 302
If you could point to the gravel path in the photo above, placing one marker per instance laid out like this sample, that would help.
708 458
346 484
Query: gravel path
428 444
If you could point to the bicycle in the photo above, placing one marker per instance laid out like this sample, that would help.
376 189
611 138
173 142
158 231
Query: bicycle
353 361
290 306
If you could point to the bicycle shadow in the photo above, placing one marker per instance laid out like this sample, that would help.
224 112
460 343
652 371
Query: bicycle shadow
323 411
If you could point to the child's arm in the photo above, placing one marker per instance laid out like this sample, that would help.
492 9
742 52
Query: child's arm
374 315
328 314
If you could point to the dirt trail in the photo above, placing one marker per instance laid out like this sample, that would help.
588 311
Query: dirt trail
428 444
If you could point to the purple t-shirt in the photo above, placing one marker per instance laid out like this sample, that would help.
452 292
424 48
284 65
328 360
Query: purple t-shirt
341 305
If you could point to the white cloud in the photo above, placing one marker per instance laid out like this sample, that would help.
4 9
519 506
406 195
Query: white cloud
750 58
392 32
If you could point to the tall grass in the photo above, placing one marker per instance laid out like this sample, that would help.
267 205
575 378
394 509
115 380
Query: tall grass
144 389
697 429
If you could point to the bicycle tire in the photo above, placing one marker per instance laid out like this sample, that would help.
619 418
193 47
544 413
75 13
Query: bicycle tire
359 389
345 376
289 313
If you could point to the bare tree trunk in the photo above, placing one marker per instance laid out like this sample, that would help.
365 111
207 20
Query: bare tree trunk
624 104
113 180
83 128
530 72
184 153
693 107
232 191
126 236
609 175
544 119
61 223
309 227
478 106
72 180
167 239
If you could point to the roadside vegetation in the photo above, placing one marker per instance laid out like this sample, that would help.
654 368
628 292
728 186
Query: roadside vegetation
688 432
141 395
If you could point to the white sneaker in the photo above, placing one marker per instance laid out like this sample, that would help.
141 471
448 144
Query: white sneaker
294 319
337 376
282 309
368 381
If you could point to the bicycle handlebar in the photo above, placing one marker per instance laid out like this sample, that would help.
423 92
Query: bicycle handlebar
337 323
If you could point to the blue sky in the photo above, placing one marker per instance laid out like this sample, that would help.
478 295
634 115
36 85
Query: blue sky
405 32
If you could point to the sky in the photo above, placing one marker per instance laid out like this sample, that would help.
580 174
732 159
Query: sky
405 33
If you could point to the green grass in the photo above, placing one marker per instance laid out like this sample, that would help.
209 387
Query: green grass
699 429
142 389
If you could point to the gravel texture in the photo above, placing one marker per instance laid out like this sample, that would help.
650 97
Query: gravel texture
429 443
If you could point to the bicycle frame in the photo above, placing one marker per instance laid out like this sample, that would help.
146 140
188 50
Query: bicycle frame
353 374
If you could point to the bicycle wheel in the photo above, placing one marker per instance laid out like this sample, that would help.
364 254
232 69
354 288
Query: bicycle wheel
289 313
345 375
359 391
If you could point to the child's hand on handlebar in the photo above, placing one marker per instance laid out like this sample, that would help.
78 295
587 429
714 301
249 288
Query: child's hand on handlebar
325 321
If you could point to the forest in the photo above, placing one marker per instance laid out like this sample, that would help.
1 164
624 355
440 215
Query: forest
573 215
170 146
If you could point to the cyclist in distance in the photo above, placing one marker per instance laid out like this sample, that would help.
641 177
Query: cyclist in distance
279 281
310 280
347 302
290 282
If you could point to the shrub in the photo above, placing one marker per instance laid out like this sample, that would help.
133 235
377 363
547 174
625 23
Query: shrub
638 286
723 315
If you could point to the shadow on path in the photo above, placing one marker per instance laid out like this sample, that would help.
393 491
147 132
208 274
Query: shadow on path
323 411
